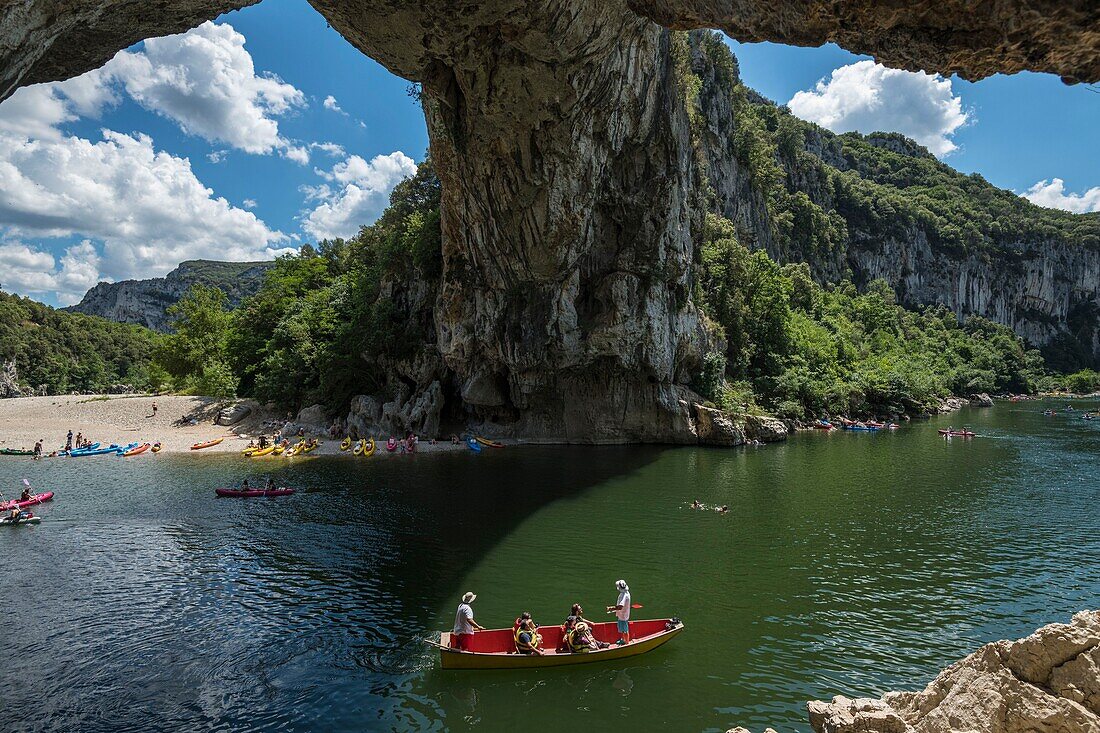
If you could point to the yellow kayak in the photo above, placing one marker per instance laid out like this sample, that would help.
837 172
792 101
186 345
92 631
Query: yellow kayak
359 448
309 447
263 451
278 450
368 450
345 443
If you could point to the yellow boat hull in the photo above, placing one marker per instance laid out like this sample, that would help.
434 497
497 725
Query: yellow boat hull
369 449
263 452
345 443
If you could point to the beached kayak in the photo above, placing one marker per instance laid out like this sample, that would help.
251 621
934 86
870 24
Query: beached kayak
473 445
490 443
85 449
36 499
156 447
391 445
97 451
206 444
368 448
15 452
9 522
263 451
496 648
137 450
238 493
345 443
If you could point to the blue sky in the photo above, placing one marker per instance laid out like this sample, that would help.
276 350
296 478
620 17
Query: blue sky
246 138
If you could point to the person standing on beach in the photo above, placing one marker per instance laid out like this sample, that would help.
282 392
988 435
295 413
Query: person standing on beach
154 408
69 441
38 449
622 612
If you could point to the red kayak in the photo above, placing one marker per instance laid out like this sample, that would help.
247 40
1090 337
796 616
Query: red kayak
139 450
36 499
958 433
391 445
253 492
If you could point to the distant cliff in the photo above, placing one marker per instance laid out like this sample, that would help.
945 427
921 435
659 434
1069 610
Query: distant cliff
146 302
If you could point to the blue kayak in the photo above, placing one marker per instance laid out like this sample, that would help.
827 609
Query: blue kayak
96 452
473 445
79 451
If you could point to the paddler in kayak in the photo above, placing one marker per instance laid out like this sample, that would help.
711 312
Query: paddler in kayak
26 495
270 485
245 486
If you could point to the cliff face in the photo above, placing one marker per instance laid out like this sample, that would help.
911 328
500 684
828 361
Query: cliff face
146 302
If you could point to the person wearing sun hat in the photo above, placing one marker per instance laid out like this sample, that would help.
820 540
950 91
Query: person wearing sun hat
621 610
465 626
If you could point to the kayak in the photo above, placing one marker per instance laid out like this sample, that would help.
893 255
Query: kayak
249 451
8 521
97 451
238 493
345 443
368 449
138 450
263 451
359 448
15 452
863 428
823 425
36 499
391 445
308 447
206 444
78 451
156 448
473 445
958 433
490 443
279 450
294 450
496 648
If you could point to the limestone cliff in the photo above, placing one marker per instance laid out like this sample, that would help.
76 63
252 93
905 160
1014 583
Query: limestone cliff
146 302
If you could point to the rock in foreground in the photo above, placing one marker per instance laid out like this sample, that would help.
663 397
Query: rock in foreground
1049 682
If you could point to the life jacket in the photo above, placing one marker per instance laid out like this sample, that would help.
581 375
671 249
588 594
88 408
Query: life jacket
536 639
575 643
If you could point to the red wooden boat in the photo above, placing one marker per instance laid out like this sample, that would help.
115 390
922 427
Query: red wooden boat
496 648
958 433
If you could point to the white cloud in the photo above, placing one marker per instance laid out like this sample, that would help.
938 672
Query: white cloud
147 207
867 97
205 81
249 203
1053 195
363 192
35 111
330 103
30 271
217 156
333 149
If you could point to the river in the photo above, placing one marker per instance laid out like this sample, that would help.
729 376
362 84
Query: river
848 563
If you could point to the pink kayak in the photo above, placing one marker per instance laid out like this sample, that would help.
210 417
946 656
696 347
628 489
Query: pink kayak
36 499
253 492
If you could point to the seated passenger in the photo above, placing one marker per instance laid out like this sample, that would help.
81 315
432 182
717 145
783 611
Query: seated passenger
581 640
244 485
577 614
270 485
527 637
26 495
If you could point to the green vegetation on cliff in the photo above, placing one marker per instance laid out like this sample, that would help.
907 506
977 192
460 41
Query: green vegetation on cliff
798 349
66 352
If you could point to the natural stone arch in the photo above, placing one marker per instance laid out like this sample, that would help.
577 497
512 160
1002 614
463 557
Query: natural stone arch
571 192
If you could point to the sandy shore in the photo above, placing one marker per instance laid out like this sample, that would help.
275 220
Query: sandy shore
179 423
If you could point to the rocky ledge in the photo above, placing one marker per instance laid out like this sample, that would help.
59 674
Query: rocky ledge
1048 682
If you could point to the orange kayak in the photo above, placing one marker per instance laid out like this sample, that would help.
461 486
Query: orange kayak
140 449
206 444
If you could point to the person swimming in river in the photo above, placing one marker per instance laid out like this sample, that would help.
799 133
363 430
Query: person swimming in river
696 505
723 509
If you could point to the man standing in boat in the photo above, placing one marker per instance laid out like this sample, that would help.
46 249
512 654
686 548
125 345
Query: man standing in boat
465 626
622 612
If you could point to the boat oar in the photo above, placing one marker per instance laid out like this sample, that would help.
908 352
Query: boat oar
636 605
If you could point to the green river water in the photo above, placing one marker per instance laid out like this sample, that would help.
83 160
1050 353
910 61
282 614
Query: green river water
849 563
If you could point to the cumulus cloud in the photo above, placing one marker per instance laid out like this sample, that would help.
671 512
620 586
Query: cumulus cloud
1052 194
330 103
32 271
205 81
249 203
867 97
145 206
360 192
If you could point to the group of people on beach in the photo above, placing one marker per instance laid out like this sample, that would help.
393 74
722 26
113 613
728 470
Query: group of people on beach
577 635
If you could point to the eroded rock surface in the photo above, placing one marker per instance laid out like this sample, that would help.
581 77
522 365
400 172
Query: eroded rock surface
1049 681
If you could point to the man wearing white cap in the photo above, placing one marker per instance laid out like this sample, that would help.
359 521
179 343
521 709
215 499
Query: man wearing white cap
465 626
622 611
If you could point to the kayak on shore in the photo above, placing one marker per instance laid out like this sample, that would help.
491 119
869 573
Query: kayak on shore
16 452
487 442
138 450
496 648
206 444
36 499
473 445
249 493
